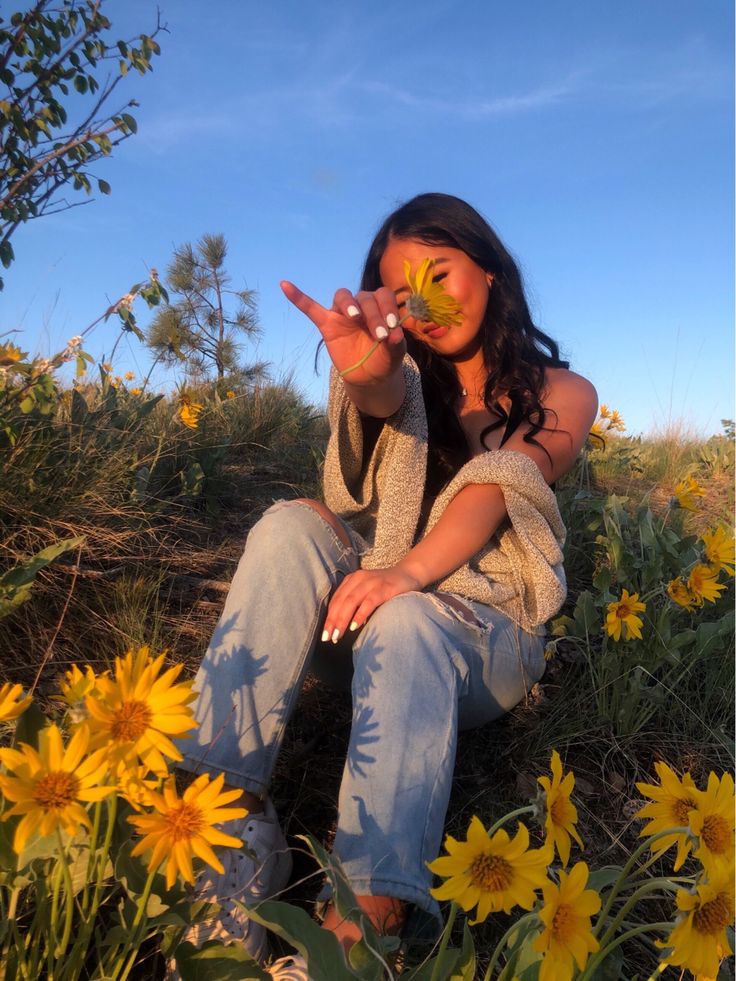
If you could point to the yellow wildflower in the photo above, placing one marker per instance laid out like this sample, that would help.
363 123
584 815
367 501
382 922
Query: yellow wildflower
604 412
671 805
550 651
181 828
135 714
129 375
106 366
703 584
616 422
428 301
712 822
679 593
686 491
12 703
492 873
74 687
698 941
719 550
136 391
561 812
567 931
135 784
622 616
10 354
596 434
230 394
52 784
189 411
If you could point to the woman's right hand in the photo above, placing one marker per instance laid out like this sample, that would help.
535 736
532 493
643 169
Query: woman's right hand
352 326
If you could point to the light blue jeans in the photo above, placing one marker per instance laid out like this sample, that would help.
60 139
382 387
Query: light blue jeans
421 670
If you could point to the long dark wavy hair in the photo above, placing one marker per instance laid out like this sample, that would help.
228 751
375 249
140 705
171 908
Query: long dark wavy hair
515 352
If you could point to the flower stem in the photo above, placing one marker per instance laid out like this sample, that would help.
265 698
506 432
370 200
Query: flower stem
633 899
620 882
69 907
444 941
529 917
133 942
346 371
528 809
599 957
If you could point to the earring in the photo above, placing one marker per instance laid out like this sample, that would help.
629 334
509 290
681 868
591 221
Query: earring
489 279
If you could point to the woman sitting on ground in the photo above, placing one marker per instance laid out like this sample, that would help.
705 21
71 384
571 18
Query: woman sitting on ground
428 573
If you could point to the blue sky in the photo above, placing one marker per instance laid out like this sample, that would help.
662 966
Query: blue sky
596 137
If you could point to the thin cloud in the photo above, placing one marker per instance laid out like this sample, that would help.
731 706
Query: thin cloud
539 98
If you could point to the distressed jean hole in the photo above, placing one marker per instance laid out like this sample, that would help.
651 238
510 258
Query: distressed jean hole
466 614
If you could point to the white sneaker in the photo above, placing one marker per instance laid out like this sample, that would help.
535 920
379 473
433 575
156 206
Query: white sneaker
293 968
244 879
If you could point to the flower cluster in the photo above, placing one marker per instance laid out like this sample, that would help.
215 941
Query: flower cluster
689 591
608 421
121 727
701 822
491 872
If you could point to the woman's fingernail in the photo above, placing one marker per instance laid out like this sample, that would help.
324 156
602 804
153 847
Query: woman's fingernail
381 332
392 320
353 311
325 635
353 625
335 635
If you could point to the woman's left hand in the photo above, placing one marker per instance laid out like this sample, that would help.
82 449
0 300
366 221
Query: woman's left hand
360 594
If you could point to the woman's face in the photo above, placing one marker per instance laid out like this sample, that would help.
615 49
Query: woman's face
461 278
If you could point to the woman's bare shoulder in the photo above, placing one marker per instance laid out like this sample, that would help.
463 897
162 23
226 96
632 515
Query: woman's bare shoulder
563 385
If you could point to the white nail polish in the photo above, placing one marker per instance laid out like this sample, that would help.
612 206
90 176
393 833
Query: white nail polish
353 311
325 635
335 635
353 625
392 320
381 332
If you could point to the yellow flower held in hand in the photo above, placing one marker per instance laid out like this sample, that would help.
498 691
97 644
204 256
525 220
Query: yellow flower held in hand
428 301
699 941
703 584
719 550
686 492
12 703
493 874
52 784
181 828
672 802
566 917
679 593
713 823
622 616
135 713
561 812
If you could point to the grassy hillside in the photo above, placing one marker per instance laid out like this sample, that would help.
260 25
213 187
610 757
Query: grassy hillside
157 495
